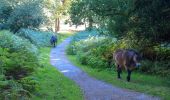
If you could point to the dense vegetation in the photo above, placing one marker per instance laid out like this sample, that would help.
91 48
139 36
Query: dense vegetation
18 60
25 69
24 54
96 50
142 25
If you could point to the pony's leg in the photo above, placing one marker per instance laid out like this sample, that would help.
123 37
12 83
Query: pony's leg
119 70
129 74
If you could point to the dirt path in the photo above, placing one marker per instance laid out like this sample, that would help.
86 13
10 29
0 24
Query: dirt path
93 89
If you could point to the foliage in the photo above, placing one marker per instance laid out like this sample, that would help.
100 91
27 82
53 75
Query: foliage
156 67
5 11
26 15
152 19
37 38
12 68
58 7
29 83
16 44
145 18
19 59
13 90
96 51
80 12
80 36
21 14
58 10
13 50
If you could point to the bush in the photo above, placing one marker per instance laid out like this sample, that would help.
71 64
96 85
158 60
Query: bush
15 50
18 59
156 67
93 50
97 51
29 83
36 37
12 90
5 11
27 14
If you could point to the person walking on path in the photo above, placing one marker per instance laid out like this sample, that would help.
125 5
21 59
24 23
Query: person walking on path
53 40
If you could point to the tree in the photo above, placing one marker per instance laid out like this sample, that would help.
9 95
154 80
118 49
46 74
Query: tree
81 12
145 18
59 9
26 15
153 19
17 14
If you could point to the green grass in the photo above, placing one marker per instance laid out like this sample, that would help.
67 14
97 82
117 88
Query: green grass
53 85
149 84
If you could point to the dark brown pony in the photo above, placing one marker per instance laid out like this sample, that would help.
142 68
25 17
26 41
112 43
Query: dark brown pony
128 59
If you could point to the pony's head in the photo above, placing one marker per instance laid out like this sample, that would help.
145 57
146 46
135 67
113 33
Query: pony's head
137 58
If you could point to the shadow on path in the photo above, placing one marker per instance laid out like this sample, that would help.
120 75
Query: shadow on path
93 89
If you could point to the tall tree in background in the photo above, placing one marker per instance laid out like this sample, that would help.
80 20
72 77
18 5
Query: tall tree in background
59 9
145 18
81 12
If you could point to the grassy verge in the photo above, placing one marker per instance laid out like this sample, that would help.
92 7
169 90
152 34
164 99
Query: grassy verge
52 84
153 85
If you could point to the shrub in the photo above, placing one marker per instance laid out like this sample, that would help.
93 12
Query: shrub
18 59
97 51
93 50
36 37
29 83
5 11
156 67
13 90
27 14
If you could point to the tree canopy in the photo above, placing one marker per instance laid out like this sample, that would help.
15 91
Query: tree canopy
21 14
145 18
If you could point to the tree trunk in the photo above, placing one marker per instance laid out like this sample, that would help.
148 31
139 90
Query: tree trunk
57 24
90 23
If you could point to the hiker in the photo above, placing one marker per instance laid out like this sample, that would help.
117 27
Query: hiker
128 59
53 40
